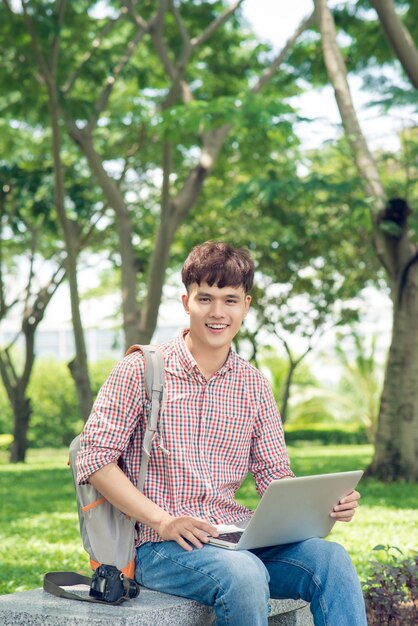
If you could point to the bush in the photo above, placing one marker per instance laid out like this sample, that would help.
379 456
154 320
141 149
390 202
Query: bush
55 419
55 416
6 441
391 591
332 433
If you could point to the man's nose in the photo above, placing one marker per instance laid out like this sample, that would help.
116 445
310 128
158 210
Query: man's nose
217 309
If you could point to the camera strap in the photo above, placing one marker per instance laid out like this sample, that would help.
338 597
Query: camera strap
55 581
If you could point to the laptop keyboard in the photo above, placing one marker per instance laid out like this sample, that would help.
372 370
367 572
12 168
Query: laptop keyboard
231 537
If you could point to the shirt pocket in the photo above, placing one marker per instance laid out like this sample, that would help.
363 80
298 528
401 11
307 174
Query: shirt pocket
228 444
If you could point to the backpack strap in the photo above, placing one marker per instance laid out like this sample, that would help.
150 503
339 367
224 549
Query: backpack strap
156 392
55 581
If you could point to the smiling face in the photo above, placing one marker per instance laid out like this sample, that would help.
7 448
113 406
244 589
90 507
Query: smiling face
216 315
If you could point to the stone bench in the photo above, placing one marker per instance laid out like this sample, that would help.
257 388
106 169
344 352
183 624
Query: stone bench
150 608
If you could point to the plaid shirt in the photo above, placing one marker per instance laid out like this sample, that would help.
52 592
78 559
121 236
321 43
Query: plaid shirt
212 432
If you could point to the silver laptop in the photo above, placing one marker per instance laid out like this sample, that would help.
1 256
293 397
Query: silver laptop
291 509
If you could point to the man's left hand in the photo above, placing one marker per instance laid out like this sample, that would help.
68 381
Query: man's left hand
345 509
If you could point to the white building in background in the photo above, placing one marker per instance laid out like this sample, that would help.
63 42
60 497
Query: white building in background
101 317
102 324
101 343
58 342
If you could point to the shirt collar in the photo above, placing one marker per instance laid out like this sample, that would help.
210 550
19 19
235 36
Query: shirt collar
188 362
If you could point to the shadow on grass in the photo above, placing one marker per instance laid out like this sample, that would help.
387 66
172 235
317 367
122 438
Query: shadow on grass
399 495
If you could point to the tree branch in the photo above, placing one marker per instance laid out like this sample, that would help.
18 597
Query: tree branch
45 72
175 70
269 72
157 31
10 367
96 43
131 6
33 318
214 139
5 376
215 25
132 151
3 307
189 46
186 197
53 57
8 7
31 267
285 344
165 190
182 29
111 80
399 38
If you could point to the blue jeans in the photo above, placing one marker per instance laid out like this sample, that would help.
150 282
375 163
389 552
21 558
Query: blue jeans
238 584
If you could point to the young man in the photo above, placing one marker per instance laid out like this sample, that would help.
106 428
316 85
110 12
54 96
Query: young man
219 422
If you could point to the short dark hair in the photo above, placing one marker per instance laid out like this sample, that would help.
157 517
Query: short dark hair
218 263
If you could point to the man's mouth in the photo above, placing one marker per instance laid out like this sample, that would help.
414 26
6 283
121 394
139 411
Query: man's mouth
217 326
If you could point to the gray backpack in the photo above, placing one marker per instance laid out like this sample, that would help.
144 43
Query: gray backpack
109 535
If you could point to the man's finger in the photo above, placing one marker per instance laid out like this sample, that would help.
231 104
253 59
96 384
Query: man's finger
192 538
343 516
182 543
206 527
354 496
346 506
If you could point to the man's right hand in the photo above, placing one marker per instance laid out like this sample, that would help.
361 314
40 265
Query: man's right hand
185 531
112 483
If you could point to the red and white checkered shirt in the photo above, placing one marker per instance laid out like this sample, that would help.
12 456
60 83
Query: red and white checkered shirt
212 432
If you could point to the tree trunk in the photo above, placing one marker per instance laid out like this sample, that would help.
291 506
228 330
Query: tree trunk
174 211
128 259
21 413
293 365
286 391
396 444
160 255
16 387
79 367
399 38
397 432
337 73
49 70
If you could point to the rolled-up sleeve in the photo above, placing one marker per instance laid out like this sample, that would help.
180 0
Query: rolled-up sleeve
114 417
268 458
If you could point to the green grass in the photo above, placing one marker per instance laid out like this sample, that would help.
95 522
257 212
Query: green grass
38 520
39 527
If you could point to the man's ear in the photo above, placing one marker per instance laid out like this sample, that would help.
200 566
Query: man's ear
185 301
247 303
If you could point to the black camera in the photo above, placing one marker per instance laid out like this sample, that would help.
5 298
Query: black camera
109 584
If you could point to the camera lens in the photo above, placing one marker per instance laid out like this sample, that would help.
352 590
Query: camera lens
133 589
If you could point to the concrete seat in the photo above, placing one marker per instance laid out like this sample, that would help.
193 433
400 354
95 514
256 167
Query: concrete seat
150 608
